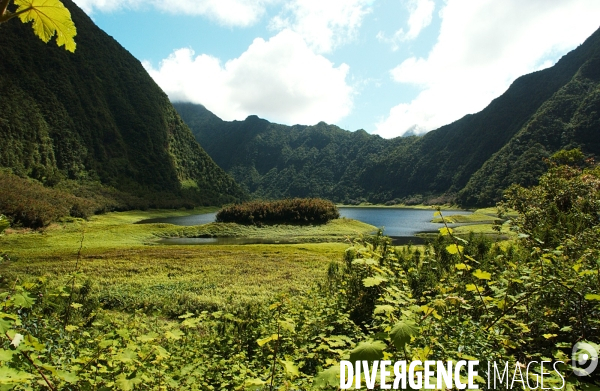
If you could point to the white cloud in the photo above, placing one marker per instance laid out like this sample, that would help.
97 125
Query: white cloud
324 24
420 16
484 46
227 12
281 80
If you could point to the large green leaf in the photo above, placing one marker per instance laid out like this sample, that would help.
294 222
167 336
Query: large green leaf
328 378
6 355
5 324
127 383
49 17
174 334
69 377
373 281
254 384
369 350
482 275
402 332
291 370
23 300
13 376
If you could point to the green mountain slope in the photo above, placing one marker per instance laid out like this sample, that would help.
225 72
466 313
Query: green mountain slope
97 116
275 160
569 119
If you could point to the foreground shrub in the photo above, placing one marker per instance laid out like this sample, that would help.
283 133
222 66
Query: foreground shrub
290 211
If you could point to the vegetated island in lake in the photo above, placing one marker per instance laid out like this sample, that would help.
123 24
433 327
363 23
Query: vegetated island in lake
287 211
292 221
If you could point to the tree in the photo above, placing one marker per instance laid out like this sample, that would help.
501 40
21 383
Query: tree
48 17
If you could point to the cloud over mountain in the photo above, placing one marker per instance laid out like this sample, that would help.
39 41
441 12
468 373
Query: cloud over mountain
482 48
281 79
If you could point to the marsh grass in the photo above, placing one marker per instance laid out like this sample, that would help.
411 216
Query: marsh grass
481 222
128 271
333 231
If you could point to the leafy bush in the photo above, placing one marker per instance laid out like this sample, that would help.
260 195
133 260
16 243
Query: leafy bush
530 300
30 204
290 211
564 209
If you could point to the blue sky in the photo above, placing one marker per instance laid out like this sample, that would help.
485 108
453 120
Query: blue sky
386 66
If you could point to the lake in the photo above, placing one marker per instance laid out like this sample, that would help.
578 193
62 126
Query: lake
402 224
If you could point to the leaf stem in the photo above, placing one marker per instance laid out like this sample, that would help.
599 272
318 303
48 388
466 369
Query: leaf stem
462 257
6 16
73 279
36 367
3 9
276 347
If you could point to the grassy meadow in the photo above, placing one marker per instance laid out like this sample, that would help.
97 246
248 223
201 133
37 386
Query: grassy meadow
127 268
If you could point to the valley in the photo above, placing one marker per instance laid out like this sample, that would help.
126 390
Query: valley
489 248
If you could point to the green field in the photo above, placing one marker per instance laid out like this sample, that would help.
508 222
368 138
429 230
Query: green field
119 310
129 270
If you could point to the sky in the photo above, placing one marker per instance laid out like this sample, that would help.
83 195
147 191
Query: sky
390 67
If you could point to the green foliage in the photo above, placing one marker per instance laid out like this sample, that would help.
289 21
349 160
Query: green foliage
563 209
204 350
402 332
452 299
30 204
469 299
27 203
288 211
3 223
571 157
368 350
567 120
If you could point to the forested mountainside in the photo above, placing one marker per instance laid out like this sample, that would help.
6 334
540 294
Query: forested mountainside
569 119
275 161
95 120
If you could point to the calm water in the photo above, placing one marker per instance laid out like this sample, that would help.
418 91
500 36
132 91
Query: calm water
401 224
398 222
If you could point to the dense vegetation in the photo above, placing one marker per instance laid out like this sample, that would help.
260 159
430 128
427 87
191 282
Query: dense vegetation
288 211
569 119
539 114
27 203
456 298
96 117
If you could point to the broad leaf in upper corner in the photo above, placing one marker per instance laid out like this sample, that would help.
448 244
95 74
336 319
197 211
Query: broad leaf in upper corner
49 17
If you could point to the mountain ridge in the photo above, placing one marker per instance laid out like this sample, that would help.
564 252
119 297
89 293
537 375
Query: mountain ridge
439 163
